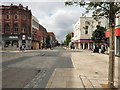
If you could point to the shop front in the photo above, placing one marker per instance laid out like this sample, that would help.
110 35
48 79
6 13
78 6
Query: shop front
14 42
83 44
117 40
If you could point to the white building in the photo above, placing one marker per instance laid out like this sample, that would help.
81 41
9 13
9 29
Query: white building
83 30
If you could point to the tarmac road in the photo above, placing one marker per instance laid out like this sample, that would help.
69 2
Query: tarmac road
32 69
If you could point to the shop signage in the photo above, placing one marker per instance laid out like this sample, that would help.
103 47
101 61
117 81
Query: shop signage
13 36
29 38
23 37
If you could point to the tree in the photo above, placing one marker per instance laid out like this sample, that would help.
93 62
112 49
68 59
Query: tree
98 35
68 39
110 10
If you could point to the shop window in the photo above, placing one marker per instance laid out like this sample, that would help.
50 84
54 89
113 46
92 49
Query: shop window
7 43
15 43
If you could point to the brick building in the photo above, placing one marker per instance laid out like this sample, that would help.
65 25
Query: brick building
35 33
43 35
16 26
52 38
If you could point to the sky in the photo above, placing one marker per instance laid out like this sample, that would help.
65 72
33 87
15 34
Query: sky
53 15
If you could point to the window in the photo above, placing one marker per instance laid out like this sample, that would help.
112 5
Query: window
99 22
23 17
7 16
16 28
23 30
15 16
86 29
7 27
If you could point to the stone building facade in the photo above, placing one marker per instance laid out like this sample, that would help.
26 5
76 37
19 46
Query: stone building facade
83 30
16 26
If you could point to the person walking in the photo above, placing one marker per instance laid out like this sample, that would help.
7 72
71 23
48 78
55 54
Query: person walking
99 48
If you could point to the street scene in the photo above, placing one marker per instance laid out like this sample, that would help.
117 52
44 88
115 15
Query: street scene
58 68
63 44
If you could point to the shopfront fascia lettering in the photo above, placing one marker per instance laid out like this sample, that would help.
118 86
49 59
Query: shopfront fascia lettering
29 38
13 36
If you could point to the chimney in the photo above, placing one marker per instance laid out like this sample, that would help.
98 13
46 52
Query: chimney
26 7
11 4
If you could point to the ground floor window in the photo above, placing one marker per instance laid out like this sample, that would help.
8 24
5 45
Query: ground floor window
7 43
86 46
15 43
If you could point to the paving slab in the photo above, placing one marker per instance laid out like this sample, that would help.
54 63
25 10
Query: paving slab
90 72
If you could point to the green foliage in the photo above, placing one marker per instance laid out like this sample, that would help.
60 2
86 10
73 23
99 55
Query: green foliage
98 35
107 8
68 39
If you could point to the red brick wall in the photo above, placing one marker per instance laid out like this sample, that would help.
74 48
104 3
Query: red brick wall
11 21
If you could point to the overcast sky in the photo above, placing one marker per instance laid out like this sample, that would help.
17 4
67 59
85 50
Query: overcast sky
54 16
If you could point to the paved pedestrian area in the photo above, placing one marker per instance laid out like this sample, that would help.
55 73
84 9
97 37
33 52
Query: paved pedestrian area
90 71
71 78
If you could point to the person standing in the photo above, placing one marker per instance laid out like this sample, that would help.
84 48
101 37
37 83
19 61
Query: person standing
99 48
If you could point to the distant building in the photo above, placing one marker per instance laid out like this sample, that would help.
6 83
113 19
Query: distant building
16 26
52 38
43 35
83 30
35 33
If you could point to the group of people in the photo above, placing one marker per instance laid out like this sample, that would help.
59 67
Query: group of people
72 46
99 48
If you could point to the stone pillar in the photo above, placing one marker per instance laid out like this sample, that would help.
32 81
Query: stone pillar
79 46
83 45
88 46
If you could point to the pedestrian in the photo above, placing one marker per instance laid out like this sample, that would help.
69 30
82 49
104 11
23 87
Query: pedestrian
20 48
102 48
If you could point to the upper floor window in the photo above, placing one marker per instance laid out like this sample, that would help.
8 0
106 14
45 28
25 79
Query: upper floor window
15 16
86 29
7 16
99 22
87 23
7 27
23 30
23 17
15 28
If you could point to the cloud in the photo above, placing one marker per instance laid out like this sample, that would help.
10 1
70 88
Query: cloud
54 16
